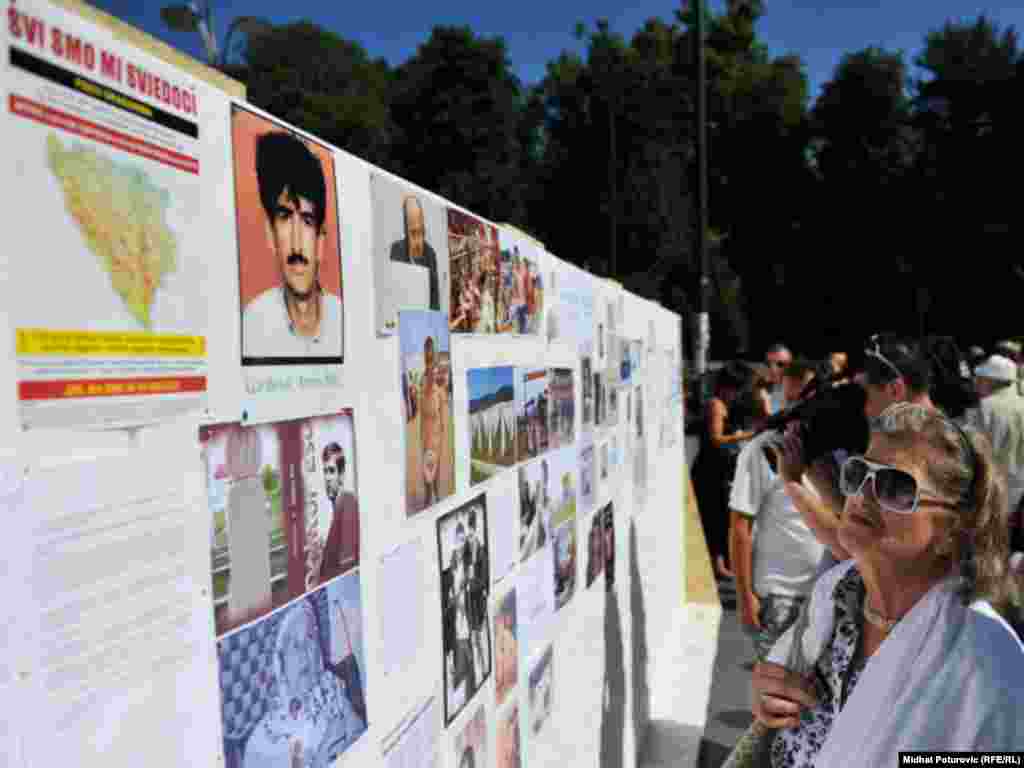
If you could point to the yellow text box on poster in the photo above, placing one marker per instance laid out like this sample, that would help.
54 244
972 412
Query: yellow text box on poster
34 342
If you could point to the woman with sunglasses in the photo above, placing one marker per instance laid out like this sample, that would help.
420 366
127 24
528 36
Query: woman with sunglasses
906 638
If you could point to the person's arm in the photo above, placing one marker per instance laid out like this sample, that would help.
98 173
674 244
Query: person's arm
716 425
741 550
821 513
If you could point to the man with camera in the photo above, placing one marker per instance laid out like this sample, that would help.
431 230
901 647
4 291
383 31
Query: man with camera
776 569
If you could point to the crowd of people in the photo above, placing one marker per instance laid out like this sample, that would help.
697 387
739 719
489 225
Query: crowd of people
885 502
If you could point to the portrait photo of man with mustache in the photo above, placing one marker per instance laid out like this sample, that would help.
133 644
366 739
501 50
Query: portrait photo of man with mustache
299 317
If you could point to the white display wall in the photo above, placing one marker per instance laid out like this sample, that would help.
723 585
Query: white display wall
140 431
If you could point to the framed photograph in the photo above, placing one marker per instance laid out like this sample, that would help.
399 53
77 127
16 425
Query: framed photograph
479 294
506 648
410 251
509 755
289 253
465 588
595 548
541 691
285 511
492 420
471 744
292 683
533 401
425 349
561 408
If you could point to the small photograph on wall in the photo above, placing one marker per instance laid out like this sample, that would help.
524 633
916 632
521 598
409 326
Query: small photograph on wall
595 548
425 351
506 648
289 254
541 693
604 462
508 738
587 477
639 397
476 300
600 407
492 421
522 285
410 251
564 553
609 545
611 416
586 372
284 511
533 400
292 683
535 507
561 408
470 747
552 302
465 586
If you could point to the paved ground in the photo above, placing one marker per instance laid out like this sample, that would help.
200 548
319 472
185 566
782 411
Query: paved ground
729 703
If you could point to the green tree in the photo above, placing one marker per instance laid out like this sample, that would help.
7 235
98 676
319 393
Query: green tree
324 84
271 480
457 107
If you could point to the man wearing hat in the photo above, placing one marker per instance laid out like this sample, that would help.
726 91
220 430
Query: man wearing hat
1001 417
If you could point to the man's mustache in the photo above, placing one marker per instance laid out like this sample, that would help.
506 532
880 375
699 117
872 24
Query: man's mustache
297 258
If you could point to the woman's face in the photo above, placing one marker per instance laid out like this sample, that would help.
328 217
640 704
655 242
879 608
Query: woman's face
869 531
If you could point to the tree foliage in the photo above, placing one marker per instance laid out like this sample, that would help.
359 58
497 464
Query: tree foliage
876 208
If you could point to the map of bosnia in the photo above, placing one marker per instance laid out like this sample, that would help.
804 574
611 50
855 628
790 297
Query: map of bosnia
121 215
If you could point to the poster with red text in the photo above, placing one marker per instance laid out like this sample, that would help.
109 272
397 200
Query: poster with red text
105 272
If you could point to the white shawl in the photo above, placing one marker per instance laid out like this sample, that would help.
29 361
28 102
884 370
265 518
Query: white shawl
947 678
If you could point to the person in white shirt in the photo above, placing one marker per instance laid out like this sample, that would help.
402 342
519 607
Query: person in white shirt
1000 416
775 570
296 318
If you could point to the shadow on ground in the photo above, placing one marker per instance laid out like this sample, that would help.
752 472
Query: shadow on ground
729 703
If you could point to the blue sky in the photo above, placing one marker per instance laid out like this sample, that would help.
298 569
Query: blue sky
536 32
487 381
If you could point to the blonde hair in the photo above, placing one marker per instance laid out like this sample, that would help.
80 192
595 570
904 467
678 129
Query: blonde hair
960 466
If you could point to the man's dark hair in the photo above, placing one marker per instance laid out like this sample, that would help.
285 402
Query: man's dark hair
905 356
472 519
284 162
799 369
460 528
775 349
330 451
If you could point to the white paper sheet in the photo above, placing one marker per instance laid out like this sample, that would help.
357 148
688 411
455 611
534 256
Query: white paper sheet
13 569
535 596
414 744
400 576
120 633
503 507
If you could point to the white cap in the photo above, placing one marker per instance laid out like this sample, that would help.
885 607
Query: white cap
998 368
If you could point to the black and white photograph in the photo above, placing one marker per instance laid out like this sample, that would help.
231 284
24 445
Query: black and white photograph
465 586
